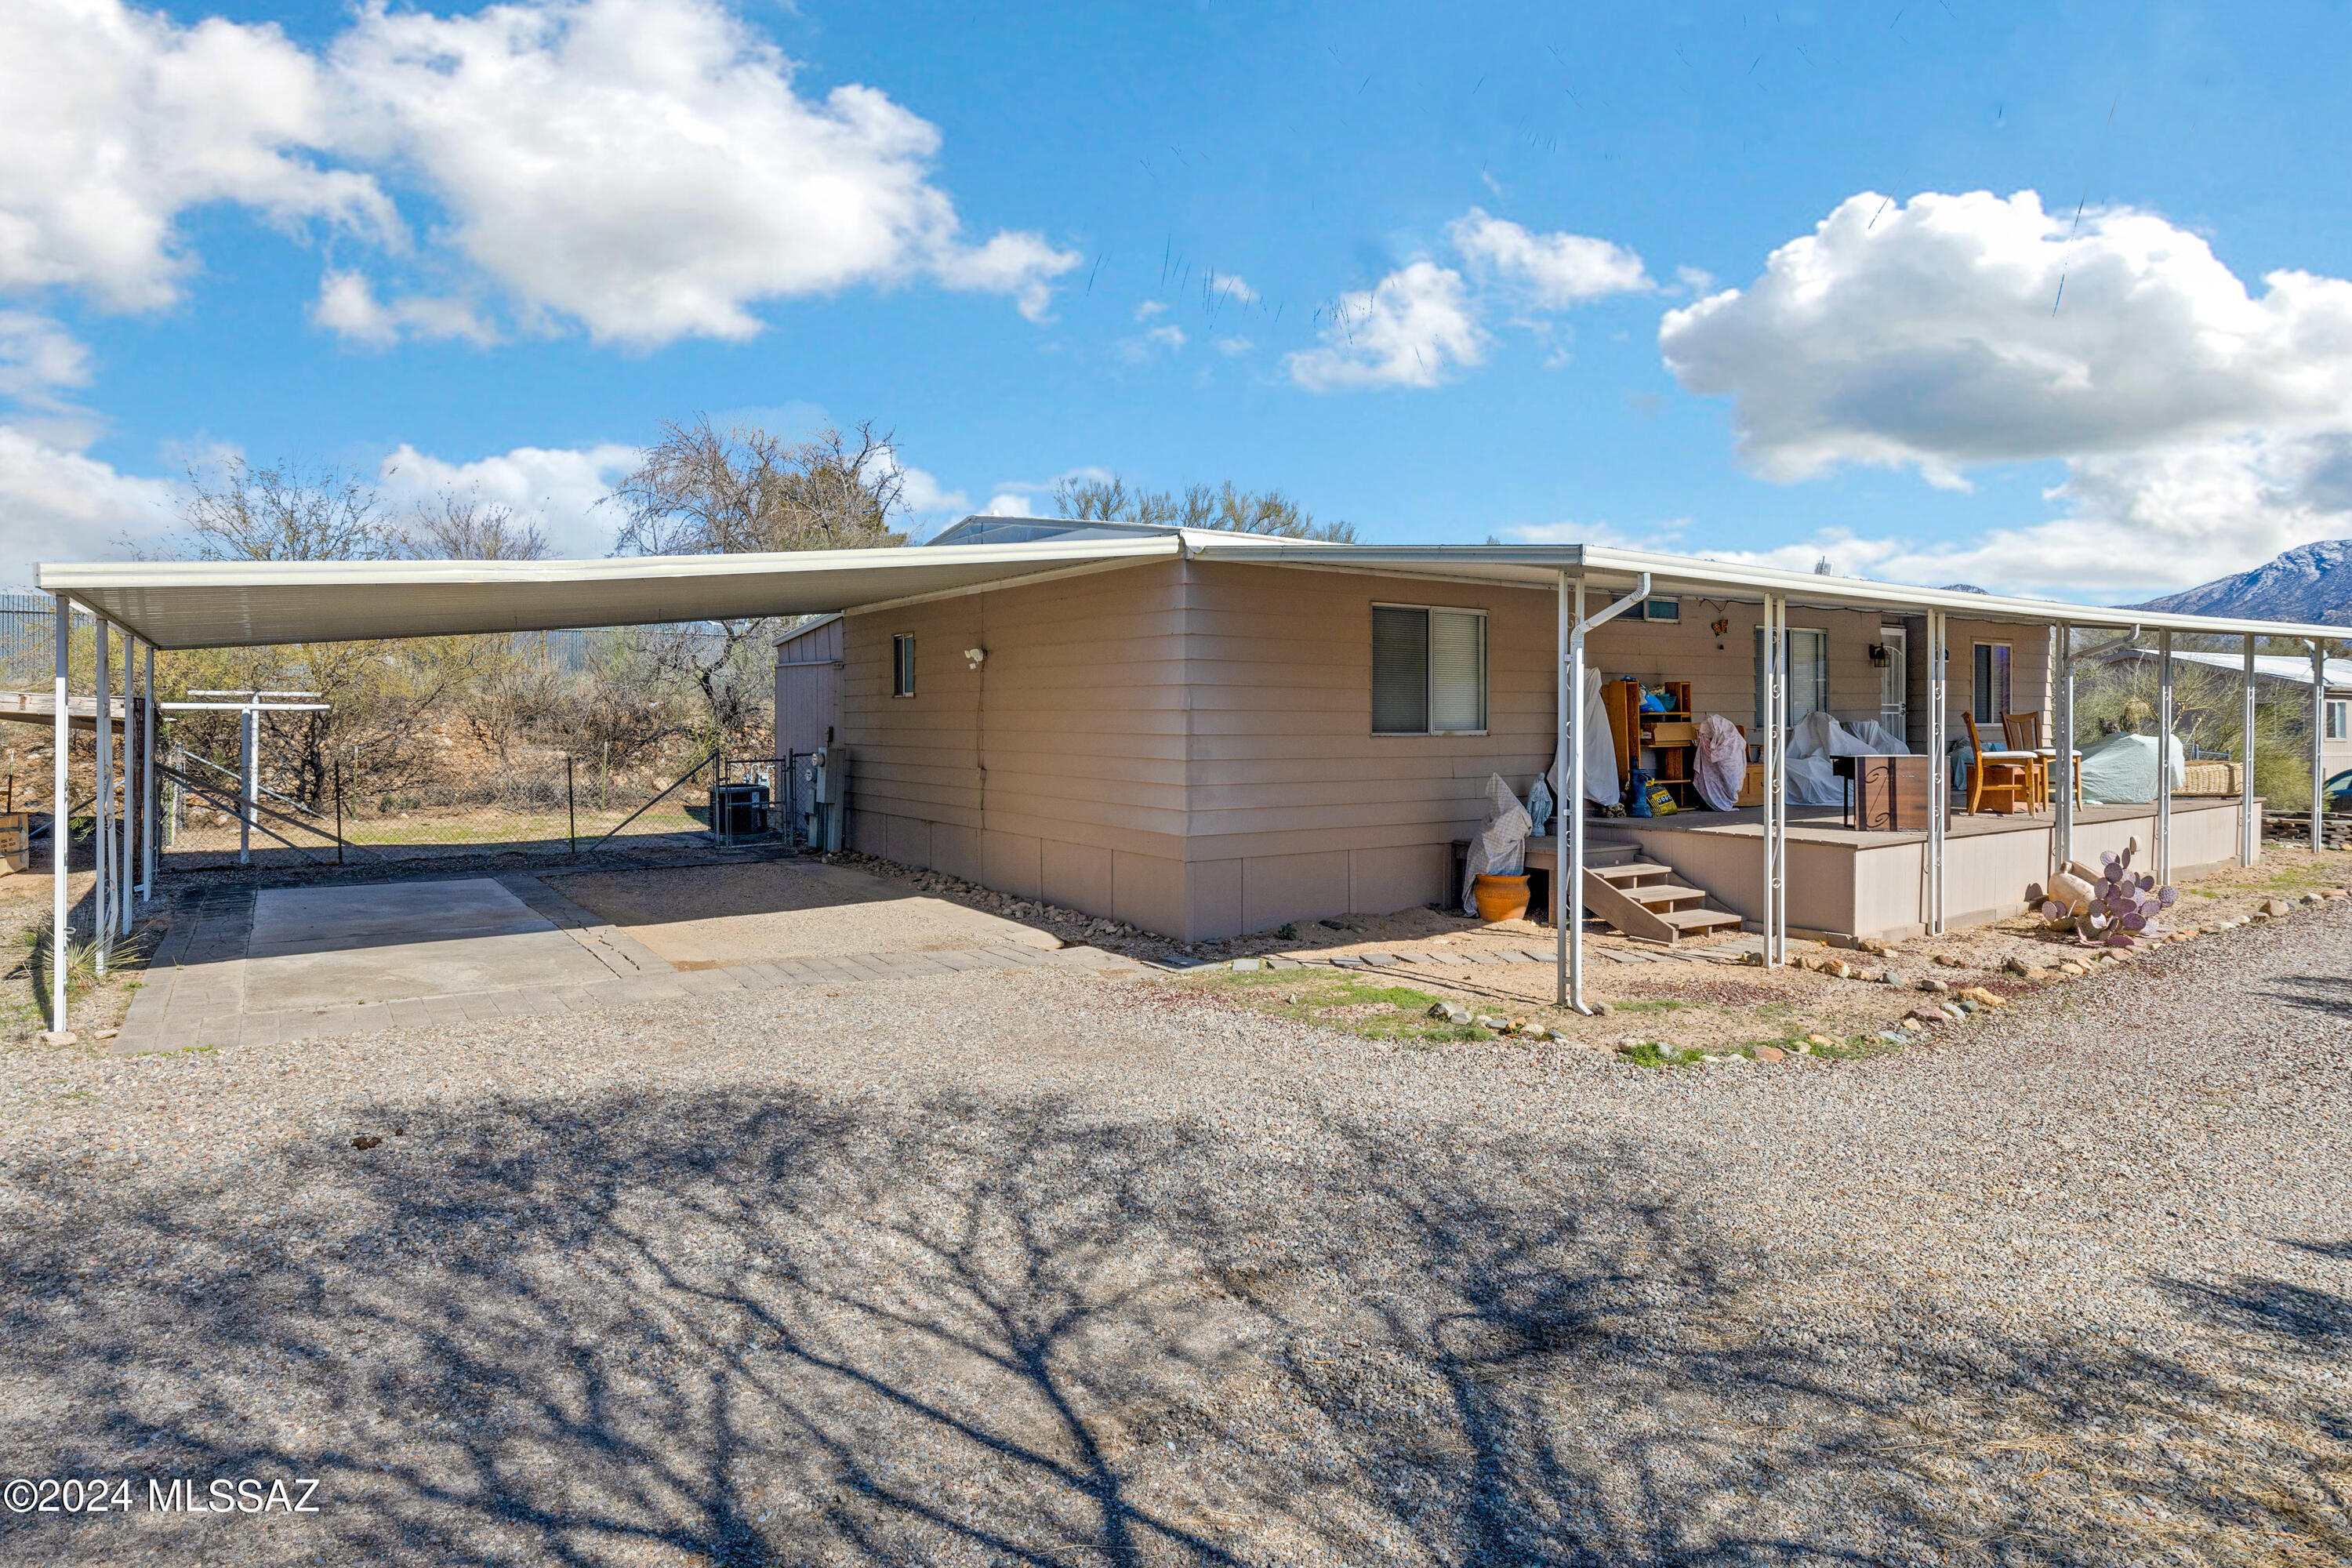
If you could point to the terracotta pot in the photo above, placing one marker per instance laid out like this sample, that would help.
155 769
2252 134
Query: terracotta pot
1500 897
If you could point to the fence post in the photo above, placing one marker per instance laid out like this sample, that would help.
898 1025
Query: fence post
571 810
339 811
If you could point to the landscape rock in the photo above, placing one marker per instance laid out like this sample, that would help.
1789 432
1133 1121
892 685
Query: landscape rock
1771 1054
1984 998
2018 966
1927 1015
1894 978
2276 907
1876 945
1452 1012
1948 962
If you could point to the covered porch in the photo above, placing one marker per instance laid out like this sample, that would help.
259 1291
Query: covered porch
1787 869
1845 883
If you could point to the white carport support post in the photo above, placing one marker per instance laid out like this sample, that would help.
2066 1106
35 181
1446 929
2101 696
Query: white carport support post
127 877
249 778
2164 757
1939 770
149 716
1567 856
2250 843
2061 766
1776 780
60 812
2062 739
2318 743
102 928
1567 767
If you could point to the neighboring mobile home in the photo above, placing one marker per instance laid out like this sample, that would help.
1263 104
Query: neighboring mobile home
1253 732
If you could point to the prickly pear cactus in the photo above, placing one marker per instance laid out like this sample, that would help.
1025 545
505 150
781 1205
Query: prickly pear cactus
2124 904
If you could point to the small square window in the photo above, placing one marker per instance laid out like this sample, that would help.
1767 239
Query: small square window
902 665
1429 670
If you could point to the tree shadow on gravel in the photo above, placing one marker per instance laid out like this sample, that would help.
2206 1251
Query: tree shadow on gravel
743 1329
2317 993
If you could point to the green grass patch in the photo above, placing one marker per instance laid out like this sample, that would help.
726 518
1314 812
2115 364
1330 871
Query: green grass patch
1652 1054
1302 995
1656 1004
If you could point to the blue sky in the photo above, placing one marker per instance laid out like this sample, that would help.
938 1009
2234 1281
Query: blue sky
1530 273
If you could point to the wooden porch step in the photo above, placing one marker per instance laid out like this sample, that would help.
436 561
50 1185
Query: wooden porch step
1641 898
1662 895
1698 922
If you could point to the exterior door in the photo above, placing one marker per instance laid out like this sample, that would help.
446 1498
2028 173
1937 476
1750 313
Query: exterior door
1894 681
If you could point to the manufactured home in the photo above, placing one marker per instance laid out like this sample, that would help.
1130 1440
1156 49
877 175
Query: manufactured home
1235 732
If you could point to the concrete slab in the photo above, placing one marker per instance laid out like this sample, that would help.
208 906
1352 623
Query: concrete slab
322 947
718 915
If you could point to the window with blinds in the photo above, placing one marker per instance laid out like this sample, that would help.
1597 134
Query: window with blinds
902 665
1429 670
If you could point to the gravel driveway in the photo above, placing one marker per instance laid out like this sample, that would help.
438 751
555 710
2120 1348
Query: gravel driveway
1048 1267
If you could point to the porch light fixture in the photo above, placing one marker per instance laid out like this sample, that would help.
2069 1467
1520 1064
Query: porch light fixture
1879 657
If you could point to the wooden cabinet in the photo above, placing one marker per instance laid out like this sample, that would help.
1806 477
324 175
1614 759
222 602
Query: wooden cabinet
1663 743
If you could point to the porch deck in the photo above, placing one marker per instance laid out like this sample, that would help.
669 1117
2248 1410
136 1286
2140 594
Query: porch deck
1844 882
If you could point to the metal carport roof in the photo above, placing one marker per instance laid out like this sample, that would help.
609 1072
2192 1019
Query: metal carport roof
237 604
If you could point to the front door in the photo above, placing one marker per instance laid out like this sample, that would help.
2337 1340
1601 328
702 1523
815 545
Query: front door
1894 681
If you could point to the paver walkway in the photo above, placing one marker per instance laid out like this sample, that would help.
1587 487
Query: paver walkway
196 987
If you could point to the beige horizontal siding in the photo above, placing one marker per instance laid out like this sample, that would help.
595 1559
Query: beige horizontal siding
1071 731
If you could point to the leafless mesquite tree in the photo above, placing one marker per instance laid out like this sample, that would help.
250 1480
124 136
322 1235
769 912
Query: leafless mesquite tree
1227 507
285 513
702 490
453 527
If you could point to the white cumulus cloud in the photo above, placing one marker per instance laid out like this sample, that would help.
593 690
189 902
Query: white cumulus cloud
1935 334
348 306
1412 328
58 503
2204 425
559 487
39 359
1551 271
1424 321
649 169
119 121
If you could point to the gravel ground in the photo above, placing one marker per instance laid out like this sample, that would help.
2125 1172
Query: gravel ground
1054 1269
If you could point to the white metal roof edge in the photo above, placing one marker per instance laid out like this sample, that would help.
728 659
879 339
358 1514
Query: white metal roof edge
52 577
1669 573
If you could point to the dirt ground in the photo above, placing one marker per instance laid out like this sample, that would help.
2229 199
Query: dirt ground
97 1005
1698 1007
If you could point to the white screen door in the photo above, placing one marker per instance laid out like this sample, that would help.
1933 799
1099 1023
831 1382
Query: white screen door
1894 681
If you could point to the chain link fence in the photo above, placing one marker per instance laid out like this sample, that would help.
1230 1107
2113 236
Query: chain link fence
551 806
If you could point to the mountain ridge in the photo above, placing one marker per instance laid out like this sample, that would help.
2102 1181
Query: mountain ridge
2312 584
